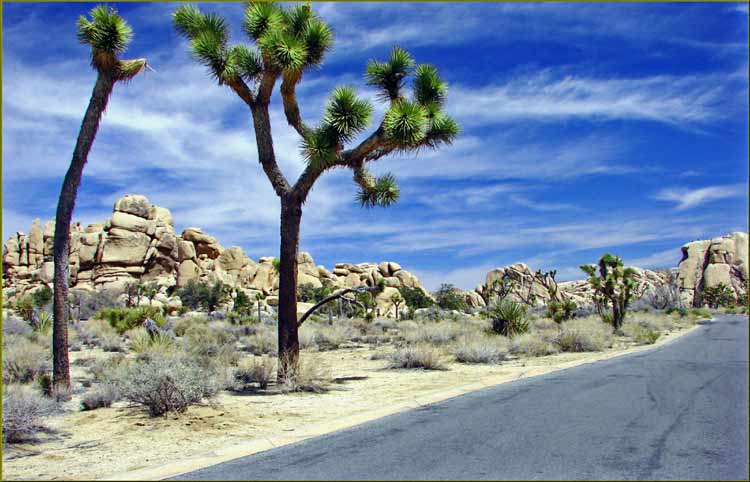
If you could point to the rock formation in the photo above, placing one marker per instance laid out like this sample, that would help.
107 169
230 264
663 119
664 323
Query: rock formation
138 243
710 262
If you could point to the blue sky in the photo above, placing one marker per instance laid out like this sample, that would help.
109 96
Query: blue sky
585 128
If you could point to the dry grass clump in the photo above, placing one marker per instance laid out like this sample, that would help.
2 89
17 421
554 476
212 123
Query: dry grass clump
263 342
640 333
533 344
309 376
422 355
103 395
481 349
15 326
585 334
253 371
23 411
435 333
166 384
24 360
324 337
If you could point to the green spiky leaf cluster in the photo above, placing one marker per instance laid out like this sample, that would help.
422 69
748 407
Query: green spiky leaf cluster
345 114
319 147
383 192
429 89
290 39
406 123
389 76
106 32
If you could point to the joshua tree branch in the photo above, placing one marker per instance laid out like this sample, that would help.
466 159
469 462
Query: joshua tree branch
266 154
291 108
243 91
335 296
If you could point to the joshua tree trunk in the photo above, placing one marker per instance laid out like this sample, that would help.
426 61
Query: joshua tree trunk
291 214
65 206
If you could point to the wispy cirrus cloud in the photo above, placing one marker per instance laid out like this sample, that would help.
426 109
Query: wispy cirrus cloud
686 198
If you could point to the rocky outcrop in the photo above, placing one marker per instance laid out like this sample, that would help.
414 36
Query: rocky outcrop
581 292
708 263
138 243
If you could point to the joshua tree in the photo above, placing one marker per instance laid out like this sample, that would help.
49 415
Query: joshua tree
290 42
396 299
259 297
615 283
108 35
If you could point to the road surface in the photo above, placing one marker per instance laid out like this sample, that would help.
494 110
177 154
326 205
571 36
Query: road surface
679 411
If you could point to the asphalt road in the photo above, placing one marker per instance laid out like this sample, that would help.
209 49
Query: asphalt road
679 411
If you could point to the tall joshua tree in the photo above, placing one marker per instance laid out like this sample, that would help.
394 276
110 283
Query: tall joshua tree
108 35
288 43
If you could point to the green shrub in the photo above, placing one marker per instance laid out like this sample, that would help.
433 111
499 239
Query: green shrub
701 313
203 295
42 296
124 319
560 311
718 296
415 298
448 297
683 312
584 334
641 334
416 356
730 310
24 307
508 318
308 293
242 303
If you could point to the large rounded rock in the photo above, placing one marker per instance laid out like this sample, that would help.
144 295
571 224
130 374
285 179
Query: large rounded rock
134 204
130 222
125 247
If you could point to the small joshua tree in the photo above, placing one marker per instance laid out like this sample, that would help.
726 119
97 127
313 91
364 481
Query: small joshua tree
108 36
718 296
291 41
396 299
615 283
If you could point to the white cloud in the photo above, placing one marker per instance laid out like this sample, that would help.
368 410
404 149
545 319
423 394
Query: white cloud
686 198
661 259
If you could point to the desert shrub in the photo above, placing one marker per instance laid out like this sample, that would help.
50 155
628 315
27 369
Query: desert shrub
263 342
448 297
508 318
181 326
111 342
309 376
209 345
533 345
13 326
415 298
24 307
23 411
24 360
141 341
42 296
641 334
308 293
683 312
242 303
730 310
480 349
59 393
44 327
437 334
107 370
196 295
717 296
89 303
701 313
101 396
124 319
167 384
416 356
560 311
258 370
584 334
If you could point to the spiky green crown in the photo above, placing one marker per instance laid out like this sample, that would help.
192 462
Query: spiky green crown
107 33
289 40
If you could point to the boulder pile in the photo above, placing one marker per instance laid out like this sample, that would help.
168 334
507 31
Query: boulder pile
138 243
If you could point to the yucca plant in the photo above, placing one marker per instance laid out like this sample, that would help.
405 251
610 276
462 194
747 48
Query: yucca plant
108 35
615 283
289 41
509 318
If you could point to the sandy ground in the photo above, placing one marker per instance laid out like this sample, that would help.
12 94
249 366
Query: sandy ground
124 443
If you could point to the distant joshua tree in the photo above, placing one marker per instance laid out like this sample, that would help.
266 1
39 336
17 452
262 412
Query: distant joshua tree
615 283
108 36
290 42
